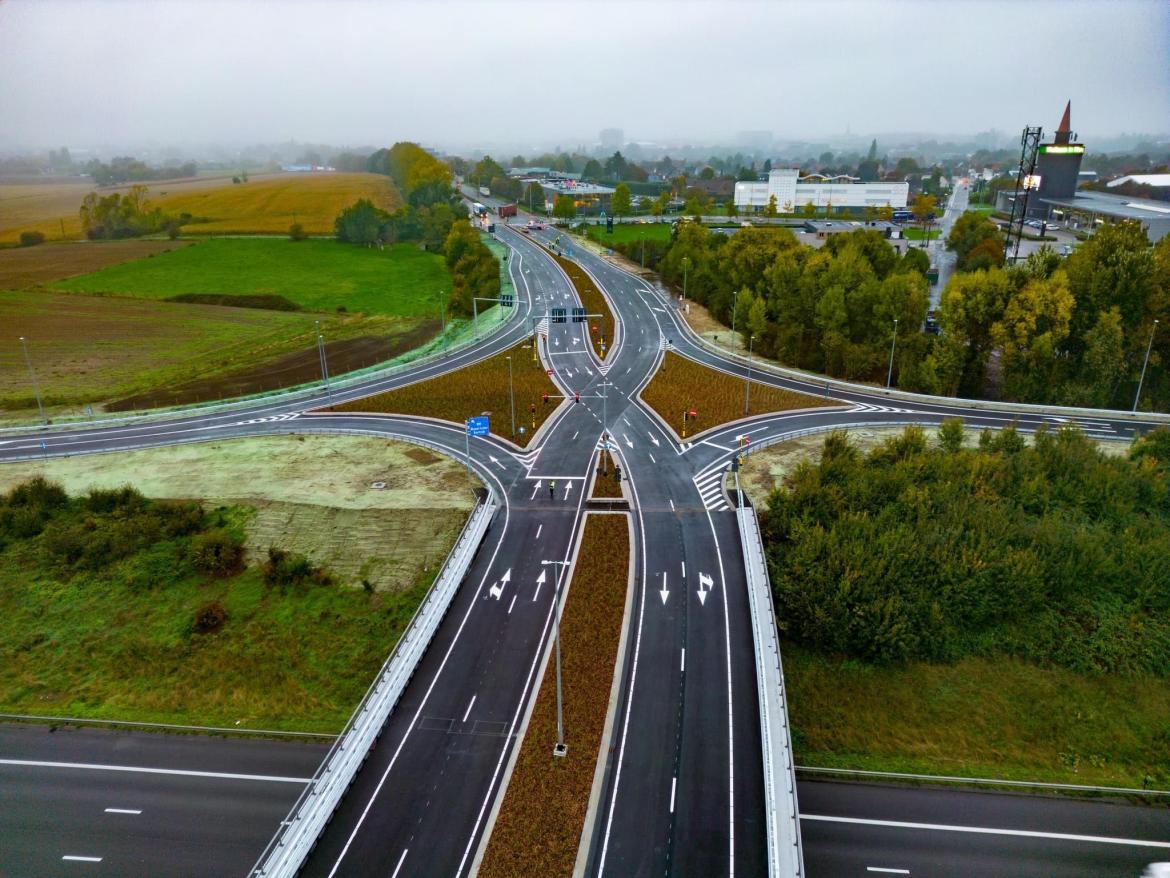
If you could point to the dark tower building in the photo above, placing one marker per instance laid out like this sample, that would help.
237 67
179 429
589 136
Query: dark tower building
1058 165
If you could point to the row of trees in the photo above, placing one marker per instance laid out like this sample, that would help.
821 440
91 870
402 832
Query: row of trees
1072 331
124 216
433 217
125 169
1055 553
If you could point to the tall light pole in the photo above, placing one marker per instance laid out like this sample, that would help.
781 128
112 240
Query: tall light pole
893 342
33 377
734 308
1141 380
559 749
321 356
747 388
511 396
686 261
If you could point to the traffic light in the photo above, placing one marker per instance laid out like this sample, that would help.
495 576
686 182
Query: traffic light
576 397
546 399
609 224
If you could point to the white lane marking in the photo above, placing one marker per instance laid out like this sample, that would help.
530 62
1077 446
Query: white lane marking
575 435
627 423
652 460
123 811
985 830
538 530
673 784
730 705
671 502
887 871
683 664
77 859
221 775
469 706
401 860
512 604
534 490
665 592
683 564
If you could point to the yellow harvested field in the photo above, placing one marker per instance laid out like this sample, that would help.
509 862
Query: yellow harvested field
267 203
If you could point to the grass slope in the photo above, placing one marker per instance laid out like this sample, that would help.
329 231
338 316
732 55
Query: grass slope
87 349
540 821
317 275
24 267
475 390
624 233
682 385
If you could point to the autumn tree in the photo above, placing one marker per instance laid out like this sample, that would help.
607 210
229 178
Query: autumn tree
620 203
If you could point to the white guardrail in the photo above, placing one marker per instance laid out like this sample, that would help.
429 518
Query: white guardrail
288 849
785 854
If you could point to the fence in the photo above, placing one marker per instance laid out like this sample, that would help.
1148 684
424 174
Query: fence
785 854
288 849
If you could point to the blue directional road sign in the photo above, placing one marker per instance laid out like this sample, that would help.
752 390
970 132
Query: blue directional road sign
478 427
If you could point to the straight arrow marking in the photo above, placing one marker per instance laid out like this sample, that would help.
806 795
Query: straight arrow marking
665 593
534 490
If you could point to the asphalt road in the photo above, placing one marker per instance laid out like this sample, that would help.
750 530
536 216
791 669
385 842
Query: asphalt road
683 790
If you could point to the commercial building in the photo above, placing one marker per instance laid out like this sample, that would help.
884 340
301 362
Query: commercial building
1053 195
792 192
828 228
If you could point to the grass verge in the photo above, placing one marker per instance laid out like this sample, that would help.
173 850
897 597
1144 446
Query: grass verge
606 485
539 825
979 717
625 233
315 275
681 385
481 388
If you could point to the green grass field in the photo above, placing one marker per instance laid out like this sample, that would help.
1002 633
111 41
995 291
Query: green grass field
625 232
912 233
317 275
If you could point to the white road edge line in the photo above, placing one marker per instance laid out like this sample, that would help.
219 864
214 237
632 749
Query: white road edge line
985 830
222 775
467 712
401 860
123 811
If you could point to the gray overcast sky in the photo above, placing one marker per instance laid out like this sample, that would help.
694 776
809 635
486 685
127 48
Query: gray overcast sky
79 72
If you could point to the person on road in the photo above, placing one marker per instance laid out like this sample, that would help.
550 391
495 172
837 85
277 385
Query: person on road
552 490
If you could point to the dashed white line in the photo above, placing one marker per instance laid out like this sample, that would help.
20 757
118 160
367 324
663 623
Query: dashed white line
671 502
652 460
122 811
575 435
511 605
683 564
401 860
467 712
673 784
77 859
887 871
683 664
538 530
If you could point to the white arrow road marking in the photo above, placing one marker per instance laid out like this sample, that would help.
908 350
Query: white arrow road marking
705 583
576 341
665 593
534 490
652 439
496 462
539 583
507 577
568 488
496 591
557 342
627 438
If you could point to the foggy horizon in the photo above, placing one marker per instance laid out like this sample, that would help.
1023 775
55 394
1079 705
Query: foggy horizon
461 75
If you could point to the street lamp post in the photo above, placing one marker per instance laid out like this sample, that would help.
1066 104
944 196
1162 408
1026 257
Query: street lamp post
33 377
560 748
1145 363
324 362
686 261
511 396
747 387
893 342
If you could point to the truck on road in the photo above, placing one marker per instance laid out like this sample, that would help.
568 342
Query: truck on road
506 210
485 191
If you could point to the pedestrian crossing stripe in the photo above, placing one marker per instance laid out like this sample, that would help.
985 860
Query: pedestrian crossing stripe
710 487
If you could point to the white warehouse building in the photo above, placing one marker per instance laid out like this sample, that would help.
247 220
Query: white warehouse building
793 192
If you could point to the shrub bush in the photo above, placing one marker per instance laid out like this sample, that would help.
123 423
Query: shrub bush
284 568
209 618
217 552
31 239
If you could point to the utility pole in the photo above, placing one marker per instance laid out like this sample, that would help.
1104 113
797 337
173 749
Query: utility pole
747 387
893 342
1141 380
33 377
511 396
559 749
686 260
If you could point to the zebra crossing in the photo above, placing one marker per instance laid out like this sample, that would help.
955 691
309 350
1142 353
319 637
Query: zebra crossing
710 486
